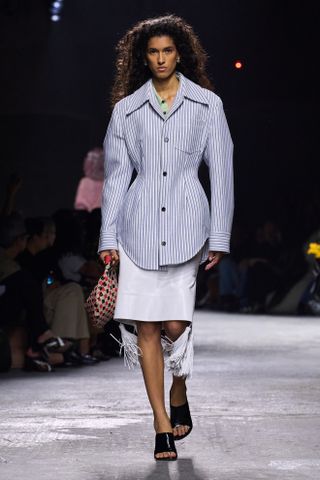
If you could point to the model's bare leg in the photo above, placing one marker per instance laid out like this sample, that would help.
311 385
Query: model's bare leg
173 329
152 364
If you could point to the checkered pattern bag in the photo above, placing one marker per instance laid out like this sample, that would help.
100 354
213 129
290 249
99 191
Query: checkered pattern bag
101 302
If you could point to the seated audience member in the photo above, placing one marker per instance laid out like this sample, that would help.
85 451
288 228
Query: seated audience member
229 284
76 260
21 293
228 270
41 236
63 303
261 271
221 287
309 284
89 190
209 296
70 247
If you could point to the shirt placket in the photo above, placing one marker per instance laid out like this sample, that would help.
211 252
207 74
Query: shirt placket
163 205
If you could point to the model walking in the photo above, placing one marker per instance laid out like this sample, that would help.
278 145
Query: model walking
165 121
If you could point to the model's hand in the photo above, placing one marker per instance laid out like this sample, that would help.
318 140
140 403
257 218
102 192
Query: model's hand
114 256
213 259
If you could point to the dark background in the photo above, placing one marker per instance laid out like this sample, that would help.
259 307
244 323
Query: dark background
56 77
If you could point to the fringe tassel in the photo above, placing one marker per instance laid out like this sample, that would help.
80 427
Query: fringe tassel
180 354
167 345
129 345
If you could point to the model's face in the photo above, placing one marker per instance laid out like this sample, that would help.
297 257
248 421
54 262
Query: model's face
161 56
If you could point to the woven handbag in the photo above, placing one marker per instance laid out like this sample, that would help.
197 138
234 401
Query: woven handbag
101 302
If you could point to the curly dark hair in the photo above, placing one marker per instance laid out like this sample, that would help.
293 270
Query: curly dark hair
131 72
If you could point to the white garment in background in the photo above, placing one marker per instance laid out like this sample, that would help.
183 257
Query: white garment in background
70 265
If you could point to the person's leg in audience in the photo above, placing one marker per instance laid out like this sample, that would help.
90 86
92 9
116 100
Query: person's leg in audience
23 293
67 317
229 282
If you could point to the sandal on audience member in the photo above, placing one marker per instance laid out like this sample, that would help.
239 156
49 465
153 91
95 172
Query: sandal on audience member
165 443
55 345
37 364
87 359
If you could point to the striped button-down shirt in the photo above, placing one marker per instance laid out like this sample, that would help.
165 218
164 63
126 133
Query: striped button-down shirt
164 217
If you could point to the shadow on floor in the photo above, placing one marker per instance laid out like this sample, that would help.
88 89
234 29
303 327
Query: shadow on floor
183 470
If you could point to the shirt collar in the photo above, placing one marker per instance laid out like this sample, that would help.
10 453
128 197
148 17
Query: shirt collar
187 89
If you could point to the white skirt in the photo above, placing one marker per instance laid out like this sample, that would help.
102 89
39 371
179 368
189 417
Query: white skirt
155 295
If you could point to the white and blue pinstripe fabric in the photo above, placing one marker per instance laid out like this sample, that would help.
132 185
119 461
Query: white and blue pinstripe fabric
164 217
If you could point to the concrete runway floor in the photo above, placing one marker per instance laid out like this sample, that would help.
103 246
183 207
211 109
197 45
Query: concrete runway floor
254 397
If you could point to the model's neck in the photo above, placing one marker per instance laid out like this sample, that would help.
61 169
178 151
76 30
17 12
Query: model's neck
168 86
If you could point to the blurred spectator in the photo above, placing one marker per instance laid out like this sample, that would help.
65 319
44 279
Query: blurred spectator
260 273
70 247
88 196
41 236
222 286
73 263
302 295
253 270
22 294
310 300
63 303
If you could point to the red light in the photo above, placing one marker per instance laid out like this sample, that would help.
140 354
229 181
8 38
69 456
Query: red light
238 64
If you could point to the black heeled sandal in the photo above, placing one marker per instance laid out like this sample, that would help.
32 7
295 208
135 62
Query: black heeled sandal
165 443
180 416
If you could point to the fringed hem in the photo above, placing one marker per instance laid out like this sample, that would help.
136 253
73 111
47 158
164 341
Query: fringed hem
129 346
178 354
179 359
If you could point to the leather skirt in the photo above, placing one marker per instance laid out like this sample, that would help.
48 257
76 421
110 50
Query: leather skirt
156 295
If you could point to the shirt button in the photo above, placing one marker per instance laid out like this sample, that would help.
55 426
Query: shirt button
163 209
164 174
166 139
163 243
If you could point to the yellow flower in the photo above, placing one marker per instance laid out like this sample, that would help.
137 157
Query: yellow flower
314 249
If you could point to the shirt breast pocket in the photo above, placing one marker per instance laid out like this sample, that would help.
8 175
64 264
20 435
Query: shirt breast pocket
188 137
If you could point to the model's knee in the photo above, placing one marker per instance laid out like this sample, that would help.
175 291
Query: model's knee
175 328
149 331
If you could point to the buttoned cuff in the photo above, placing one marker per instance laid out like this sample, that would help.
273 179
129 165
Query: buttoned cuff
220 242
107 241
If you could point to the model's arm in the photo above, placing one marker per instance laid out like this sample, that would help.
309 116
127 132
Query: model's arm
218 156
118 173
